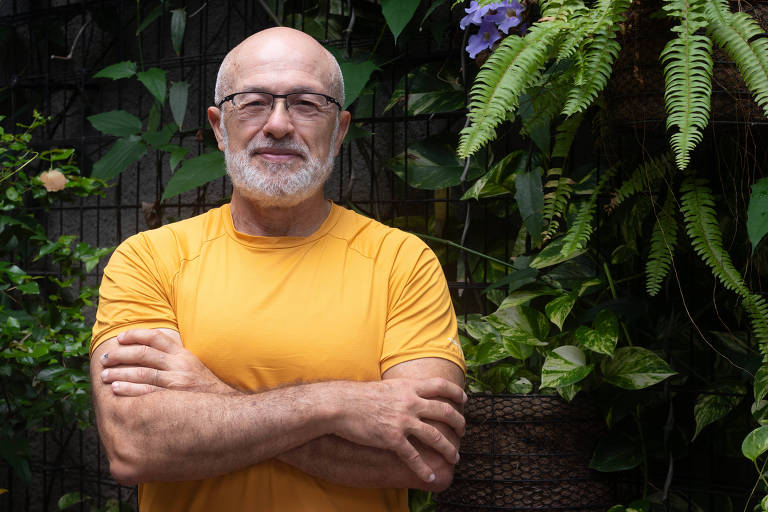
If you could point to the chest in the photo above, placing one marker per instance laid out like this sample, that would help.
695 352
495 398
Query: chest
259 319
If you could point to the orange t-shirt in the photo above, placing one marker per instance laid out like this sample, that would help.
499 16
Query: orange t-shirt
345 303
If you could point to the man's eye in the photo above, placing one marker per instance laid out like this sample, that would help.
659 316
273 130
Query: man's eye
255 104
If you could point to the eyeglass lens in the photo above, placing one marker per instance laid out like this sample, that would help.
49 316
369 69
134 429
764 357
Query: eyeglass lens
301 106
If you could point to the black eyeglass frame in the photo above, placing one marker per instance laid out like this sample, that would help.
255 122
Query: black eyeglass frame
329 99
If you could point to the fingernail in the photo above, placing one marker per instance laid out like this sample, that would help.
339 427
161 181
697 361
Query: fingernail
431 478
457 458
115 386
104 374
121 336
465 398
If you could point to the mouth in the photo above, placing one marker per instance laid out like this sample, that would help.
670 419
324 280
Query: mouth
275 154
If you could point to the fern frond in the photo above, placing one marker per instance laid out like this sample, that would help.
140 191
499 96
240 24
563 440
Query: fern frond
598 64
581 229
757 308
645 176
557 192
598 55
663 242
734 32
687 63
511 69
701 224
566 132
547 97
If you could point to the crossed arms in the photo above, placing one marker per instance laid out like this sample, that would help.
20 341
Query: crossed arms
162 416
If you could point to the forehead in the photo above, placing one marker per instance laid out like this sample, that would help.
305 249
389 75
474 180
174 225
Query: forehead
279 69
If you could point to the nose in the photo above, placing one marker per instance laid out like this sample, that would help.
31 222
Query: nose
278 123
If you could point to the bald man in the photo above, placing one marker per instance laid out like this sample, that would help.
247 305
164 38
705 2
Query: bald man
278 353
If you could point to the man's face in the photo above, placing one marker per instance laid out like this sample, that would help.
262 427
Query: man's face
279 160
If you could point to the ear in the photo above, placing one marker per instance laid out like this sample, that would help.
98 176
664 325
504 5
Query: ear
344 120
214 118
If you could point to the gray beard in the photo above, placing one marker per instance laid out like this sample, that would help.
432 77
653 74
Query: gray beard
273 183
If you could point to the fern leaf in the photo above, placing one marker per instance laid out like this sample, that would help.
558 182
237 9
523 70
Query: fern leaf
598 64
598 55
581 228
663 242
644 177
557 193
513 67
702 227
566 132
757 308
735 33
687 63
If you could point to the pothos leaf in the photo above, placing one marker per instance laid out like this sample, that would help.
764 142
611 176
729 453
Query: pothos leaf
564 366
716 404
557 309
635 368
756 443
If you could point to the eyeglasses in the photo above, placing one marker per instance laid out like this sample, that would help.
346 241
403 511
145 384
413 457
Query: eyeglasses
301 106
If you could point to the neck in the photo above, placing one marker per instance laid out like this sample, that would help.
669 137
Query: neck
253 218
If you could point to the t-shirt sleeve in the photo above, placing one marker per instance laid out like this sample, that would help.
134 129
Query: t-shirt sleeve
421 321
134 292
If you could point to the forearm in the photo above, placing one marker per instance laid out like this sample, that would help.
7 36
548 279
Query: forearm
177 435
337 460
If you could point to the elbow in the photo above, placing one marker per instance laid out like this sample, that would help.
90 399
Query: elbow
125 463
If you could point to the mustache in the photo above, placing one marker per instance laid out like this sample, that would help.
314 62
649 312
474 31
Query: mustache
261 143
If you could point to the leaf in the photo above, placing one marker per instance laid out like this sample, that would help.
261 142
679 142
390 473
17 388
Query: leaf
488 352
558 309
552 254
149 18
756 443
431 89
716 404
70 499
116 122
160 138
177 97
757 212
196 172
124 152
154 80
761 383
615 452
178 25
432 164
530 200
177 154
124 69
356 131
500 179
29 288
564 366
635 368
604 335
398 13
354 73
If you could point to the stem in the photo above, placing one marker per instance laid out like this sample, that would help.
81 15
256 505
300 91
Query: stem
22 165
644 451
138 36
615 296
467 249
759 478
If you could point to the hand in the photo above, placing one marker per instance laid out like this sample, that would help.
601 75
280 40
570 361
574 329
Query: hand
386 413
149 360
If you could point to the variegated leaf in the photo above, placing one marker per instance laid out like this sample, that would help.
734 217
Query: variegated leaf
635 368
755 444
564 366
712 406
557 309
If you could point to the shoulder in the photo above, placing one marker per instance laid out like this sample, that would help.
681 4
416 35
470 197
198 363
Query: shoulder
376 240
170 244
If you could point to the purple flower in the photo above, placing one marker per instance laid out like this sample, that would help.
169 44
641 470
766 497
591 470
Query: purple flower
474 15
484 39
507 15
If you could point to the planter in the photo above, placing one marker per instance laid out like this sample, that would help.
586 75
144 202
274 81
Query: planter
528 452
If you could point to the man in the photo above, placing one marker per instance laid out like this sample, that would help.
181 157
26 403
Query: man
278 353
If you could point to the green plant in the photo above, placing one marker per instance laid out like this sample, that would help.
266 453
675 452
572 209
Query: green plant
44 337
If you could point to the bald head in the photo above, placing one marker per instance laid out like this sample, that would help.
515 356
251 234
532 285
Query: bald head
285 45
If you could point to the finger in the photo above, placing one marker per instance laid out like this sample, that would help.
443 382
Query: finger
444 413
435 439
412 458
120 388
437 387
135 355
159 339
133 374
